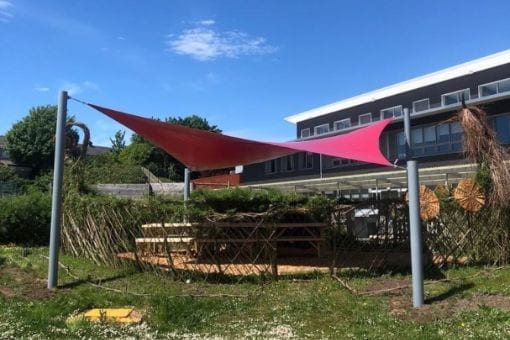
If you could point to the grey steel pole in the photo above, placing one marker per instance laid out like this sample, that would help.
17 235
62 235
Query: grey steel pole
56 199
415 234
186 184
320 165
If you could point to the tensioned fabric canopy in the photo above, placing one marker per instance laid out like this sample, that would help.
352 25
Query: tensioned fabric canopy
204 150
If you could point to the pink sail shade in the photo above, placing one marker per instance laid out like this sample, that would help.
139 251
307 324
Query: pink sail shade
204 150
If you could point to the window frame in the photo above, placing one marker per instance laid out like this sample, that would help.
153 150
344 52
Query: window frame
458 92
439 146
319 126
421 100
393 111
285 160
340 121
302 161
491 83
342 162
301 133
365 115
266 167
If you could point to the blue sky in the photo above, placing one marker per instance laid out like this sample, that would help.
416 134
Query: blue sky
243 65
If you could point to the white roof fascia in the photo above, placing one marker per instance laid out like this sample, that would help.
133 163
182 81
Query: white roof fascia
470 67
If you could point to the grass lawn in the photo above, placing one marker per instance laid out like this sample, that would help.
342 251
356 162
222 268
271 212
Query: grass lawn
474 302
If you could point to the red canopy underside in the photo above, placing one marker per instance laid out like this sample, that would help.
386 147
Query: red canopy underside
204 150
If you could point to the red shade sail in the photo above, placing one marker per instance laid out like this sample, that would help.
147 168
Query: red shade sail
204 150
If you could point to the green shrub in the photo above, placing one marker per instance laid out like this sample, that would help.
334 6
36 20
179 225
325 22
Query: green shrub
107 168
25 219
6 173
244 200
287 207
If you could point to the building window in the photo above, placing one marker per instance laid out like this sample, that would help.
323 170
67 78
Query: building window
502 128
455 97
384 144
493 88
417 142
270 166
401 145
429 140
365 118
432 140
338 162
456 136
395 111
321 129
421 105
288 163
305 133
306 160
342 124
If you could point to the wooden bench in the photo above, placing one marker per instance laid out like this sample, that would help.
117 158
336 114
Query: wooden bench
153 245
167 229
166 237
192 237
274 234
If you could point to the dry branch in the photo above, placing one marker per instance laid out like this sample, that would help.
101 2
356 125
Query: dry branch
345 284
481 146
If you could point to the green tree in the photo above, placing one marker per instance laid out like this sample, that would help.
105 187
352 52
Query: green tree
195 122
31 141
118 142
137 153
6 173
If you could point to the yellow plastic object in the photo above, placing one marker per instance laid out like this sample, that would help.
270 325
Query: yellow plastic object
115 315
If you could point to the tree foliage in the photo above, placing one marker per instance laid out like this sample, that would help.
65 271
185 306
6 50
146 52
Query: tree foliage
31 141
6 173
195 122
138 153
118 142
25 219
143 153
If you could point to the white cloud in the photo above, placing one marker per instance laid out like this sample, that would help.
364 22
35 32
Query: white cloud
5 10
205 43
77 88
41 88
207 22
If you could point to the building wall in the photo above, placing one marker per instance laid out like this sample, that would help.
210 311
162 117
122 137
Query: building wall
389 140
433 92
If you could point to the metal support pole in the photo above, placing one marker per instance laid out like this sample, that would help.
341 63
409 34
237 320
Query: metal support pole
186 184
415 234
56 198
320 165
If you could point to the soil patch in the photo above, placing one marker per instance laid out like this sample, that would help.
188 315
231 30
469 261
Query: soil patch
286 266
23 284
387 286
401 307
7 292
